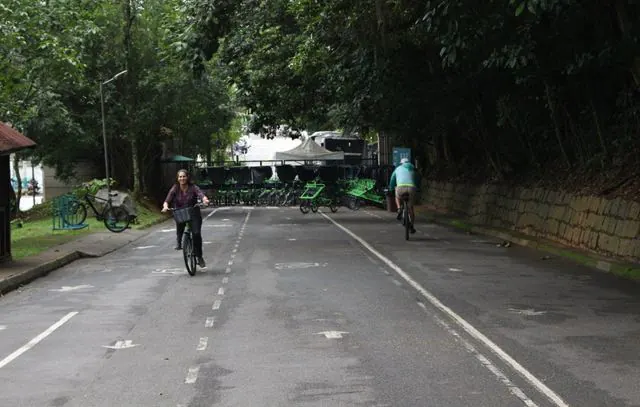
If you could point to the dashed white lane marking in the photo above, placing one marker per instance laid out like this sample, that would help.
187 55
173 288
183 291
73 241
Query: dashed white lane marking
202 345
37 339
192 375
214 211
235 250
233 256
454 269
461 322
230 263
3 327
221 291
225 280
216 305
228 270
209 322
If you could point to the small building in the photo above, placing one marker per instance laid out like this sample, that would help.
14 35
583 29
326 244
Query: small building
11 141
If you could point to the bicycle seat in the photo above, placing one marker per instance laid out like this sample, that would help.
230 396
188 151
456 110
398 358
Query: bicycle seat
405 195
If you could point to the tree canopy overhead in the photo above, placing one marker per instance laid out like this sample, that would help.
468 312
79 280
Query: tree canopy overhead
500 87
55 54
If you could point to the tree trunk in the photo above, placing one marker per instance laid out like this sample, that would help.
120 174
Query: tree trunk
129 18
136 168
624 25
556 125
16 169
596 120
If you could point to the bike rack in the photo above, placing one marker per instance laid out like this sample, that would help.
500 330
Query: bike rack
62 219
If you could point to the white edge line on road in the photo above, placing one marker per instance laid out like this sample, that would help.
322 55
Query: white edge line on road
37 339
515 390
470 329
212 212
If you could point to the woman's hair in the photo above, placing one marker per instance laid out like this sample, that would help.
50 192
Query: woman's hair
185 173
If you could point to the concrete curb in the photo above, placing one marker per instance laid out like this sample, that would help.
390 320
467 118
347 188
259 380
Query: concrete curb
586 258
18 280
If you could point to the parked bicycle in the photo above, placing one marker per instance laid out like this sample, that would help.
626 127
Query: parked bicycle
183 215
115 218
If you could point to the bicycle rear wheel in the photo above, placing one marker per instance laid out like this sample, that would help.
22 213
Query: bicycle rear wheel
116 219
75 213
407 224
187 253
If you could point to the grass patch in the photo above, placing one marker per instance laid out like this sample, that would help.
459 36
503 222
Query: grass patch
35 236
460 225
632 273
575 256
33 233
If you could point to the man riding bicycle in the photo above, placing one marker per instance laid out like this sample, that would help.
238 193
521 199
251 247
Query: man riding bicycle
404 181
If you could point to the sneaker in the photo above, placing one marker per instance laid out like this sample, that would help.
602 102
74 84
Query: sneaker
399 216
201 262
413 230
178 247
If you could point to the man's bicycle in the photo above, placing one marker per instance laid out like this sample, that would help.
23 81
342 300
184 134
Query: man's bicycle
115 218
407 221
184 215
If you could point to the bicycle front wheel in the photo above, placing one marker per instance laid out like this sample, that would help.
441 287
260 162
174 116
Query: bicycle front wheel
189 256
116 219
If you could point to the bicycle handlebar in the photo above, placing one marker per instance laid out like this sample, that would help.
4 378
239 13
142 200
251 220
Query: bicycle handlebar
198 205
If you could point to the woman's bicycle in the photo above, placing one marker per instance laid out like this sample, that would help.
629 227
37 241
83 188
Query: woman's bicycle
184 215
115 218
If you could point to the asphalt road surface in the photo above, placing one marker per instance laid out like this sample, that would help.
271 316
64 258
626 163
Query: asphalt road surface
321 310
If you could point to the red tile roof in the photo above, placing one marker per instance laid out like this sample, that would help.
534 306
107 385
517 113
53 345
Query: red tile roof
12 140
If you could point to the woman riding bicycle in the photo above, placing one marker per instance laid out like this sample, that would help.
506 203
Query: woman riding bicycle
185 194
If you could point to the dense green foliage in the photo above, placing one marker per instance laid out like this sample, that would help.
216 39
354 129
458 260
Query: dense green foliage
53 56
485 87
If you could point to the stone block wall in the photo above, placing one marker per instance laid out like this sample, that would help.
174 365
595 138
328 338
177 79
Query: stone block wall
605 226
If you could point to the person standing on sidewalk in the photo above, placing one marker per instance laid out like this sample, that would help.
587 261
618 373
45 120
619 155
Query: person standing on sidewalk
184 194
405 180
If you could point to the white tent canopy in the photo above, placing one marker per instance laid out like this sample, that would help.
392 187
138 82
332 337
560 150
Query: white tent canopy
309 150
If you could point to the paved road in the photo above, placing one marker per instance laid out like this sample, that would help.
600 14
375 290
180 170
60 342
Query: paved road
315 310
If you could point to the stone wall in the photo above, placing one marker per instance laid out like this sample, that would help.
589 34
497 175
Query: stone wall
605 226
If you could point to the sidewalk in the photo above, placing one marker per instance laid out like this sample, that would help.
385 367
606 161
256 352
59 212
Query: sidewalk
611 265
15 274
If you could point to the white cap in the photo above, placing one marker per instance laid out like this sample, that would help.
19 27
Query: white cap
404 160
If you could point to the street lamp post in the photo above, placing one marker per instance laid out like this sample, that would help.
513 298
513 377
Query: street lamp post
104 130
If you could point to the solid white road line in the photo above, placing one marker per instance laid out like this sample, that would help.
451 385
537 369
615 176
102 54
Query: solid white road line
37 339
461 322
